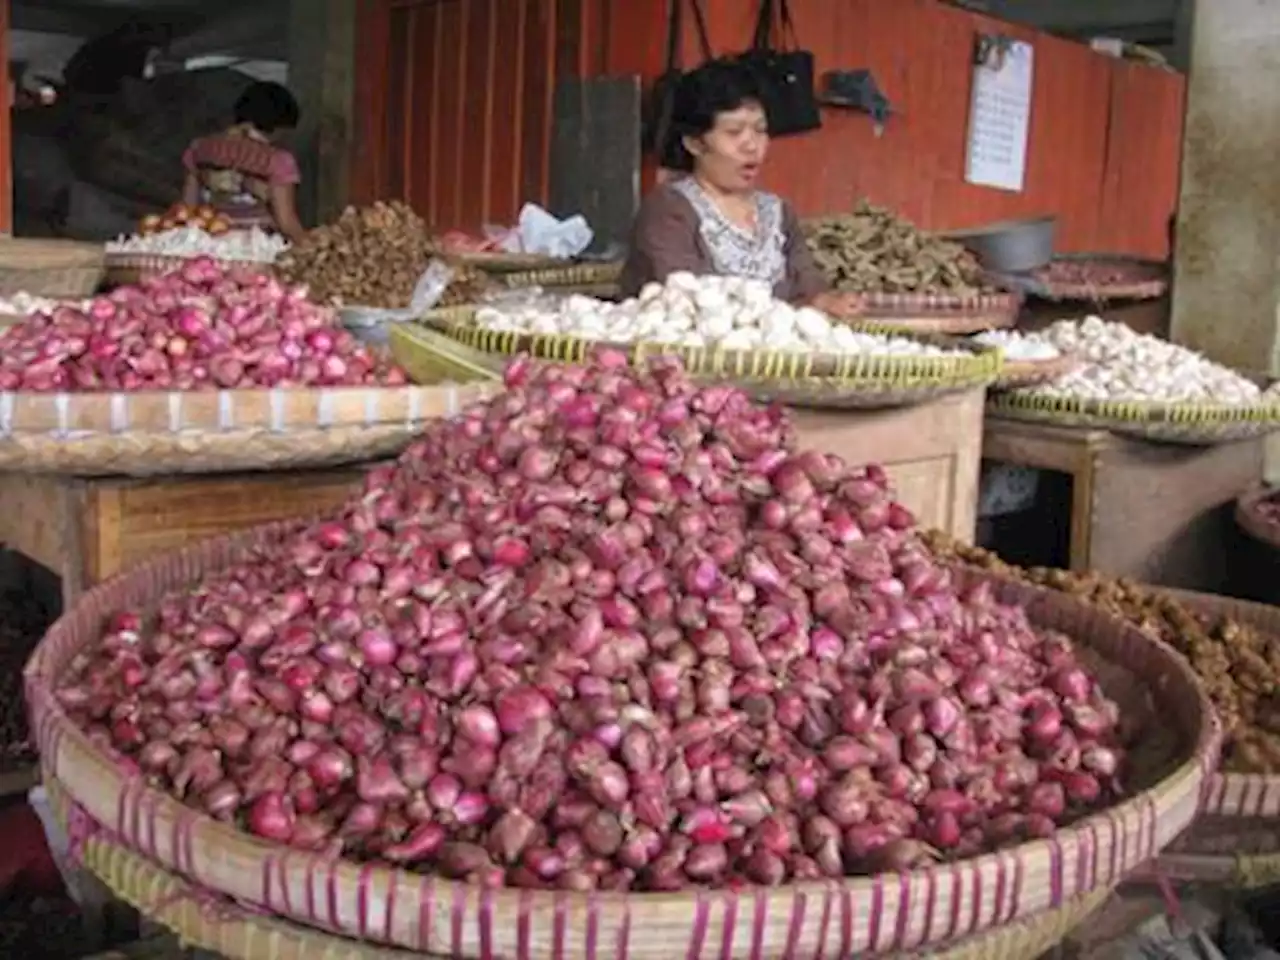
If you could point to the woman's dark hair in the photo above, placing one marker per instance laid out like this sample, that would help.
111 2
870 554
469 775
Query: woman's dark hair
268 106
701 95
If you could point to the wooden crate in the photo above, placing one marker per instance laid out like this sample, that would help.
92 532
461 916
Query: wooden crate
931 451
1159 513
86 530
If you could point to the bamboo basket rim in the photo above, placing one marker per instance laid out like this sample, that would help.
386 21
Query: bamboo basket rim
939 324
1142 411
1251 522
502 261
204 920
977 363
278 409
250 869
1035 283
121 260
577 274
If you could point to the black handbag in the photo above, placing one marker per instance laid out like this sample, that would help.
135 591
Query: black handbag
784 73
656 135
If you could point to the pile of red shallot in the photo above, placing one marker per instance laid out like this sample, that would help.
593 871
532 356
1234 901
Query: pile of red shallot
199 327
608 630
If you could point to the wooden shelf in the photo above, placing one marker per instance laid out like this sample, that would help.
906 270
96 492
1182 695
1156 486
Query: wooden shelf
1157 512
86 530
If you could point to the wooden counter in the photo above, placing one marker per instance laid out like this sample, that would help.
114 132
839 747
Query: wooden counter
86 530
932 453
1159 513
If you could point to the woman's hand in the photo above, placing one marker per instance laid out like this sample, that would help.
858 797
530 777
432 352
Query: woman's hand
846 306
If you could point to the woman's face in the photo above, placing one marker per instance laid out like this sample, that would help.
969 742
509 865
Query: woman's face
729 155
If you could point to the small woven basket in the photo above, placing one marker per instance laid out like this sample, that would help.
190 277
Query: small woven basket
1254 522
122 268
50 268
1188 424
940 313
887 914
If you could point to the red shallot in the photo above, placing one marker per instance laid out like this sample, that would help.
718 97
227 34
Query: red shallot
608 630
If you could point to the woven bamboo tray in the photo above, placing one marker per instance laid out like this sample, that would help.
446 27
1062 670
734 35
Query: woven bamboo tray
1149 281
50 268
1250 519
124 268
1015 374
215 431
578 277
800 379
204 920
502 262
883 914
431 357
1190 424
939 313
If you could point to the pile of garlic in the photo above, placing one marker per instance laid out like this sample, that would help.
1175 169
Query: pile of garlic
253 245
23 304
1117 363
733 313
1019 346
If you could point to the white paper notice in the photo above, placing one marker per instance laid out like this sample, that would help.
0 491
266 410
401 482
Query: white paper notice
1000 118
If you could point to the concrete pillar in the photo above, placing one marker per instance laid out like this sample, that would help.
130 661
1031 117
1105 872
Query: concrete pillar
1227 264
321 75
1227 268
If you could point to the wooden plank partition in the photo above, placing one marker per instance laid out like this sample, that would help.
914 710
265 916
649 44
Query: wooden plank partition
455 112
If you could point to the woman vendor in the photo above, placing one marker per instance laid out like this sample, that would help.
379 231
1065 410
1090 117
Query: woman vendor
713 218
241 173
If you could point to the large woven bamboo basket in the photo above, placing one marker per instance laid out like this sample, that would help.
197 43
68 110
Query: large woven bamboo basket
1189 424
207 921
215 431
50 268
1235 840
886 914
800 379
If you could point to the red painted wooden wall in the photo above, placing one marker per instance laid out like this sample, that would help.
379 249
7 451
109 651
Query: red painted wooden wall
474 79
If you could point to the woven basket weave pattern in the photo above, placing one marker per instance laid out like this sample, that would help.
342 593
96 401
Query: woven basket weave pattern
883 914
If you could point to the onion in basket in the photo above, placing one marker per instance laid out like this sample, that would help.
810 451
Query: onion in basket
200 327
608 630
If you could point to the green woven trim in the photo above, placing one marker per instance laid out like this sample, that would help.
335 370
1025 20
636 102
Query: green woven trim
431 357
980 364
1136 411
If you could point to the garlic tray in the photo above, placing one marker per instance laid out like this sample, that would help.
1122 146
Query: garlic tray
1118 363
252 245
732 313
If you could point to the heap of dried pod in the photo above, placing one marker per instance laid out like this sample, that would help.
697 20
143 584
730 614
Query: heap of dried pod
1238 663
608 630
373 257
872 250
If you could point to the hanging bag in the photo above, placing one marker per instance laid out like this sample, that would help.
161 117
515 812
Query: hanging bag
784 72
657 129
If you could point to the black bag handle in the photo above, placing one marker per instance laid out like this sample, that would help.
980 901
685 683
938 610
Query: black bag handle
762 38
675 36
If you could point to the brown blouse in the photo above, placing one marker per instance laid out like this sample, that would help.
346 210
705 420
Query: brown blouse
666 238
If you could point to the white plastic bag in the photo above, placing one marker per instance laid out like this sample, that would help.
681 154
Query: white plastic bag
427 292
